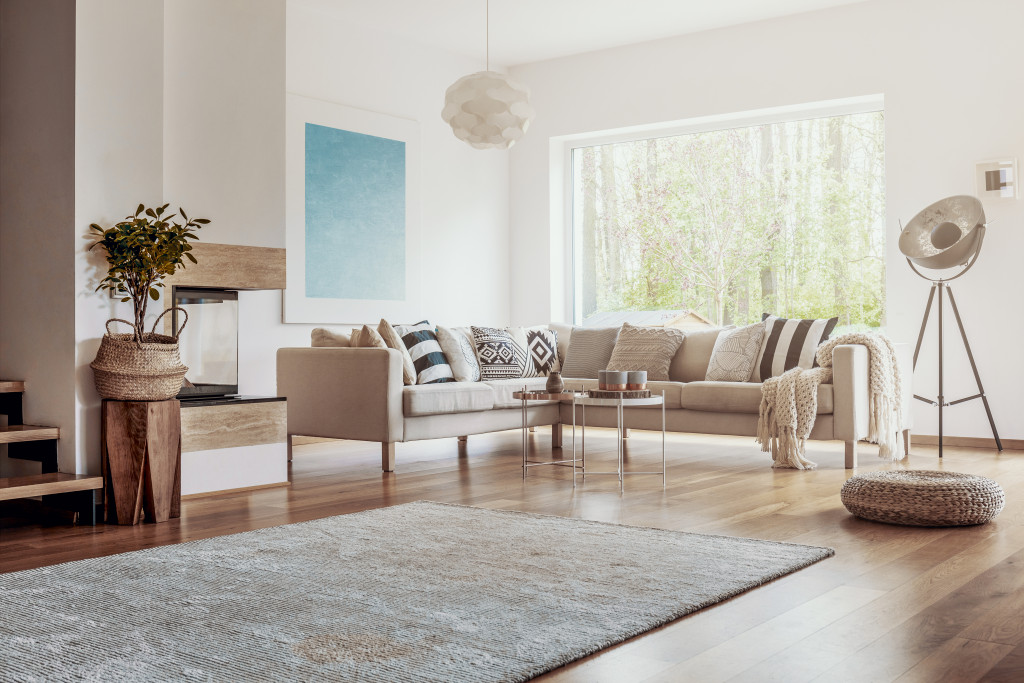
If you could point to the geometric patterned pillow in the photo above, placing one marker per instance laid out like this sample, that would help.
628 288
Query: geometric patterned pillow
501 357
542 348
733 356
788 344
427 357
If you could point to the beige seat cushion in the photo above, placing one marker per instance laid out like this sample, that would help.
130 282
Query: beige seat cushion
690 364
446 397
504 388
737 397
671 389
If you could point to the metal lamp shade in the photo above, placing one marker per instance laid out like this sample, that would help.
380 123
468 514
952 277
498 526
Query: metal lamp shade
945 234
487 110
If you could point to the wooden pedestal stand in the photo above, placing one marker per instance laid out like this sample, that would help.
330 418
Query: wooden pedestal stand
141 460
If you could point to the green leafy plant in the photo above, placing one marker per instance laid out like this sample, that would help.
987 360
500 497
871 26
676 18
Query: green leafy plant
142 250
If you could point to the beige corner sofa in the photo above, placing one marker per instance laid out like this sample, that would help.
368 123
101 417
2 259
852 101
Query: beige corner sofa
358 393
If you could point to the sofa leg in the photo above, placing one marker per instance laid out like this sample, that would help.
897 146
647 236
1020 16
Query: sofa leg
533 429
625 432
906 442
556 435
387 456
851 454
463 439
288 441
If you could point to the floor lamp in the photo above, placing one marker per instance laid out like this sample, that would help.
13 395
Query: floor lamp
947 234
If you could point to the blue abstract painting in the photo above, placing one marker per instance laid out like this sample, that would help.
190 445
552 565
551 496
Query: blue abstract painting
355 215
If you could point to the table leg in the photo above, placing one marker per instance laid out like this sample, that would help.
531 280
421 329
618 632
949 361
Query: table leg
526 443
663 439
621 447
583 438
574 442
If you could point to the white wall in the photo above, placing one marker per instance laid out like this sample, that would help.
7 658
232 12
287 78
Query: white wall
37 205
118 163
464 219
950 72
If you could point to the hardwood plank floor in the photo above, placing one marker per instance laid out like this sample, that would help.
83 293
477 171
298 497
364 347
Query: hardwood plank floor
896 603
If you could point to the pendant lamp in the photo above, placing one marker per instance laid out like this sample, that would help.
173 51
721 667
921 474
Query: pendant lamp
486 109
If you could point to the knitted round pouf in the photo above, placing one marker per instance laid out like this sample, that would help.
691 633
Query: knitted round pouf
923 497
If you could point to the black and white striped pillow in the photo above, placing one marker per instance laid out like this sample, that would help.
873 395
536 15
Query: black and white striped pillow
788 344
427 357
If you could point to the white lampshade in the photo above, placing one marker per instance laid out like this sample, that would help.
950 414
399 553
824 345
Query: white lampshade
487 110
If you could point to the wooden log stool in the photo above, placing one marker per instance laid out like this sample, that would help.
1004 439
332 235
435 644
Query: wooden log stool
141 443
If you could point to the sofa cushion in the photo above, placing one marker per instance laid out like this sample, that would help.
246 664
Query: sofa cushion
646 348
590 349
323 337
394 341
457 344
690 364
564 332
501 355
788 344
732 359
446 397
504 388
671 389
737 397
427 357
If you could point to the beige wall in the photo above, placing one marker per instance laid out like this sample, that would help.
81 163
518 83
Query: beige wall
37 205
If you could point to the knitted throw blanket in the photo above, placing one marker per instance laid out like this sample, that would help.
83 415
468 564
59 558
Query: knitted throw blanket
789 403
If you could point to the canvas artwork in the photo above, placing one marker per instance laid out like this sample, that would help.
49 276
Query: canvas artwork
352 214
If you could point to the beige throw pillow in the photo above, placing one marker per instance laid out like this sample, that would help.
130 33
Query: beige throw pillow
734 354
458 349
367 338
394 341
321 336
646 348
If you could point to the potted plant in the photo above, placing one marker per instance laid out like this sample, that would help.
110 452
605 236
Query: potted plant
141 251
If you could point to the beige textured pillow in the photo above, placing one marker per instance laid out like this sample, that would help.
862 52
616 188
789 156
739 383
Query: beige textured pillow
323 337
367 338
734 354
394 341
646 348
458 349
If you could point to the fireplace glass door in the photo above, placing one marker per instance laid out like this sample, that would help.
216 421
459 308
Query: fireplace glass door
209 342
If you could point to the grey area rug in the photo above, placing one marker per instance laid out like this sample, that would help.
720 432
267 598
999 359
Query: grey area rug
416 592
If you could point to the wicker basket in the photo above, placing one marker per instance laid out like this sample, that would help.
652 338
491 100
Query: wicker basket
923 497
129 370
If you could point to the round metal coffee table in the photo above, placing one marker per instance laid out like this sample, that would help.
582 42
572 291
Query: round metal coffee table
620 404
527 396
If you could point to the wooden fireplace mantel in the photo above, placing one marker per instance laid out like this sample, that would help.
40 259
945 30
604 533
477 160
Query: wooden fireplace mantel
232 266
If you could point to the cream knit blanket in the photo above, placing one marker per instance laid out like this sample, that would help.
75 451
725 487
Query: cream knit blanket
789 403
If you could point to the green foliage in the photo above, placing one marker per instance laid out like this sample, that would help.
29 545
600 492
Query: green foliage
784 218
142 250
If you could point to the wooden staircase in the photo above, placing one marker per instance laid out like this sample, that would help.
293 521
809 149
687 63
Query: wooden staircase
39 443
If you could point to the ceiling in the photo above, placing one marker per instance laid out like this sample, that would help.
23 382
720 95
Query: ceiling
524 31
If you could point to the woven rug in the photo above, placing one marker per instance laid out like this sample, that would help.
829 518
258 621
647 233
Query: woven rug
416 592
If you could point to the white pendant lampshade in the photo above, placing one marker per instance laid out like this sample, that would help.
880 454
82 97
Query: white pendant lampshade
487 110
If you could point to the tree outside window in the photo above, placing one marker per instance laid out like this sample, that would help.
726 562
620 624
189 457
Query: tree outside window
783 218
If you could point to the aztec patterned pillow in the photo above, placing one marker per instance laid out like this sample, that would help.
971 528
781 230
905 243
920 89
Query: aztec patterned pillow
541 346
427 357
788 344
500 355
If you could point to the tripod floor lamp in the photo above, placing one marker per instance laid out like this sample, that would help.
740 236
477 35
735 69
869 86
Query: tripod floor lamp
947 234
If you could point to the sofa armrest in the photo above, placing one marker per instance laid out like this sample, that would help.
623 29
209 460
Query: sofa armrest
342 393
851 403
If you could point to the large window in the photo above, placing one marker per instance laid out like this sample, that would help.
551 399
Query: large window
724 225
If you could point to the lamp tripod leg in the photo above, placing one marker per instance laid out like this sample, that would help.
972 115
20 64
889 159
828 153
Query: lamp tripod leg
924 323
974 367
942 398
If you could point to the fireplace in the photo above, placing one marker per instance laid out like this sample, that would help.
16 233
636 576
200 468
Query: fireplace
209 342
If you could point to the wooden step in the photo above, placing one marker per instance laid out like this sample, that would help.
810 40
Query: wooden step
19 433
47 484
12 386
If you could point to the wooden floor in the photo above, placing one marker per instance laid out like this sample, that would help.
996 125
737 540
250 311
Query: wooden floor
895 603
